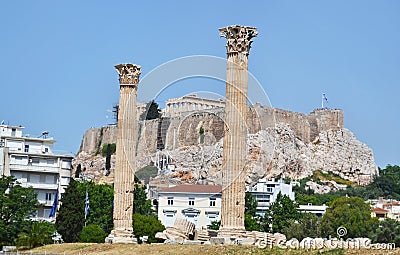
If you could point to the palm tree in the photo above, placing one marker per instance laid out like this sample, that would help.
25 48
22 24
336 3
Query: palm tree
37 234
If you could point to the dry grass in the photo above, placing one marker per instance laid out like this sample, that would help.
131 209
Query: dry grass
166 249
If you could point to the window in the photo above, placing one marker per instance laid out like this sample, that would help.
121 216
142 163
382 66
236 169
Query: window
34 178
170 201
212 201
18 158
48 196
46 213
262 198
46 150
64 180
191 201
50 161
13 132
169 218
26 148
211 216
50 179
261 212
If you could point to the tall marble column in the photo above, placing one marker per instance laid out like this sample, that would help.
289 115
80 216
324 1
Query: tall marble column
125 153
234 152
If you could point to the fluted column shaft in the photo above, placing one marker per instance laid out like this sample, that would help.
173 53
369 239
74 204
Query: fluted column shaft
234 153
126 149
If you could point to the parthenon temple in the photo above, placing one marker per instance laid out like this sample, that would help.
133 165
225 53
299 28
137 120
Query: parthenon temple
189 103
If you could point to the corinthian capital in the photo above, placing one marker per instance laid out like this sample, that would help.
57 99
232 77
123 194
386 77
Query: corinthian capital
128 73
239 38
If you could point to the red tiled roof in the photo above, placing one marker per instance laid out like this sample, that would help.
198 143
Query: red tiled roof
379 210
391 203
187 188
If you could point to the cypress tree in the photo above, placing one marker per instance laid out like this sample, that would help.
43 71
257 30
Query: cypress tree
71 216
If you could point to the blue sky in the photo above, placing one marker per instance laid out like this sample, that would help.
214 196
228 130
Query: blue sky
57 58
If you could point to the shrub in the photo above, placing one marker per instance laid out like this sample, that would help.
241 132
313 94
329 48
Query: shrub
144 225
92 234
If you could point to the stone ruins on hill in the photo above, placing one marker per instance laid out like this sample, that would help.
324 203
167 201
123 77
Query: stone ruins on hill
280 143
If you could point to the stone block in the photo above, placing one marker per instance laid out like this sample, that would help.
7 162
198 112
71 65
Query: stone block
218 240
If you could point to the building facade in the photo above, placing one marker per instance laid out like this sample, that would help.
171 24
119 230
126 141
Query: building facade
200 204
32 162
317 210
265 193
385 208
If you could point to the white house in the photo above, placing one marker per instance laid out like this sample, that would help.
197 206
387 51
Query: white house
265 193
200 204
317 210
32 162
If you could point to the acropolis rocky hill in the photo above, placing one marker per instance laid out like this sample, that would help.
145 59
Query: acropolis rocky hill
281 143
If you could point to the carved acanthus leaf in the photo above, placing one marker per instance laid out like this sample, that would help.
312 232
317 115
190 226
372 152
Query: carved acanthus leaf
128 73
238 38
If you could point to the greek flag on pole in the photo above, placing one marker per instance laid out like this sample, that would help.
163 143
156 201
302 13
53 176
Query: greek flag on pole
324 97
54 206
87 204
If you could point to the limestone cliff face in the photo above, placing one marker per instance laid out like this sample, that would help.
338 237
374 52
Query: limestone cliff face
280 143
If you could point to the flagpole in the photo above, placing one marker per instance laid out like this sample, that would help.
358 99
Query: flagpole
86 203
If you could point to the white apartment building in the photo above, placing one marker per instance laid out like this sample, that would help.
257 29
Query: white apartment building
265 193
317 210
200 204
32 162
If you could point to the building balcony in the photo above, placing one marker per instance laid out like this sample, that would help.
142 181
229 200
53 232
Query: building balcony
44 186
33 168
46 202
264 204
43 219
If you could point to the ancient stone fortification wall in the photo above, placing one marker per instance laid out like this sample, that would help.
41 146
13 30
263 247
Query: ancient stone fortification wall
184 130
280 143
95 138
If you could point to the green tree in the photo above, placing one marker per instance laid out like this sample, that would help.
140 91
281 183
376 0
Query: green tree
152 111
78 171
147 172
70 218
141 204
201 132
349 212
251 219
108 149
146 225
388 232
306 226
280 213
17 204
214 225
101 201
92 234
36 234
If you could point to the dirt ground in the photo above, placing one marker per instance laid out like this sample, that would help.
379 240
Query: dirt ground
167 249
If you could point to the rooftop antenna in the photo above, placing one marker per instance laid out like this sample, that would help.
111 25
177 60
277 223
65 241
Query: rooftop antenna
324 100
44 134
